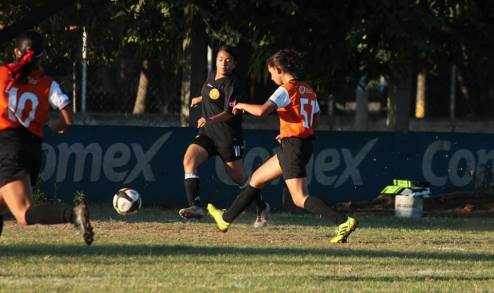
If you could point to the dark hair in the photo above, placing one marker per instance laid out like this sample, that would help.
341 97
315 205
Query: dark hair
288 60
230 50
30 41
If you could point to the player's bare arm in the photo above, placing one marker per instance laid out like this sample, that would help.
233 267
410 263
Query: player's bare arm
195 101
65 119
256 110
221 117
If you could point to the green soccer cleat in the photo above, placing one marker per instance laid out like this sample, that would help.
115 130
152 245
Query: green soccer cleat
344 230
217 215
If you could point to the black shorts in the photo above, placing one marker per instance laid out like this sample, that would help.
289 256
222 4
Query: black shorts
20 155
231 153
294 154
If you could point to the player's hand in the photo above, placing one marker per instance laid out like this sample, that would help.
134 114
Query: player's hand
55 126
195 102
203 122
278 138
239 107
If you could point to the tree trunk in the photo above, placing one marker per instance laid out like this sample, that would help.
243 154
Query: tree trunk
331 115
400 91
420 102
194 64
140 103
452 98
362 112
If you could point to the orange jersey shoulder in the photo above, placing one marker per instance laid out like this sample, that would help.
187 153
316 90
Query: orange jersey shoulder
296 118
26 104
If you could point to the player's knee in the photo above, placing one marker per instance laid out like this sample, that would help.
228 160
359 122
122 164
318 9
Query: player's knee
256 184
188 164
238 178
256 181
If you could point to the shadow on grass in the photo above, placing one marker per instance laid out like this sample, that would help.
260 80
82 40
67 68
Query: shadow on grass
306 219
225 251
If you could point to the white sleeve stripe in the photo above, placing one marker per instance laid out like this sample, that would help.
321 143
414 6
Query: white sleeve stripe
280 97
58 100
316 108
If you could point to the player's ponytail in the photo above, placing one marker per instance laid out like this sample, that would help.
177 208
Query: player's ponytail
287 60
31 46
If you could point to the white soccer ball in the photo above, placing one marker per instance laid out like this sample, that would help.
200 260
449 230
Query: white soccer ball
127 201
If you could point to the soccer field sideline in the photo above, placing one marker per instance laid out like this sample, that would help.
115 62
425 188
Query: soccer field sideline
155 251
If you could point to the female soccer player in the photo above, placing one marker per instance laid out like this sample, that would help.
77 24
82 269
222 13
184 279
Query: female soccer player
297 108
220 133
26 96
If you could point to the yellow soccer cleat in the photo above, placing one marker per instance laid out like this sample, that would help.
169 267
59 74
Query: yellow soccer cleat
344 230
217 215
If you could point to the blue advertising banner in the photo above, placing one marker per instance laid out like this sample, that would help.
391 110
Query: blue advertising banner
345 166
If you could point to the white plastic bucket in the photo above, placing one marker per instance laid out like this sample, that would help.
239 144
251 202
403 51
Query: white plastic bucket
408 206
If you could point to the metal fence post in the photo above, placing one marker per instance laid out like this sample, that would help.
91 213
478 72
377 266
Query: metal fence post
84 70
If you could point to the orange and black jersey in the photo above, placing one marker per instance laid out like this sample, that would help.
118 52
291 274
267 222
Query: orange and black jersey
296 105
220 96
28 104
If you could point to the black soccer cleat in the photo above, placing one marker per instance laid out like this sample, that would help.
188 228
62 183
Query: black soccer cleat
81 222
192 212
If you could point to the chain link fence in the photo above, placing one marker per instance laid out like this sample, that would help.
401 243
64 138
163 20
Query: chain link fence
113 88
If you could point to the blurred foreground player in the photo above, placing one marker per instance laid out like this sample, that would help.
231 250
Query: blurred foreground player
26 96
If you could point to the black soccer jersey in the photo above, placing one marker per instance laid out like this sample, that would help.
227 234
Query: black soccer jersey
220 96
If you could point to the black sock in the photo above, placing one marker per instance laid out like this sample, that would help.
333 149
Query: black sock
258 201
192 191
319 208
1 224
47 214
241 202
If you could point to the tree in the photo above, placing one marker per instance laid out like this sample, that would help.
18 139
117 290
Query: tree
193 62
36 15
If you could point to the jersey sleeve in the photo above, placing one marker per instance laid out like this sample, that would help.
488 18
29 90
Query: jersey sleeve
316 108
280 97
58 100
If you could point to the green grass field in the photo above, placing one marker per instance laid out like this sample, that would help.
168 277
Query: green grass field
155 251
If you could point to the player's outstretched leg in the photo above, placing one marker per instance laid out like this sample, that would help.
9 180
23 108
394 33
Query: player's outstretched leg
194 210
81 221
344 230
346 225
217 215
50 214
224 218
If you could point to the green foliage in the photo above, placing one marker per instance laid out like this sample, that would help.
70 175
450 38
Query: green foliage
341 40
39 196
79 197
